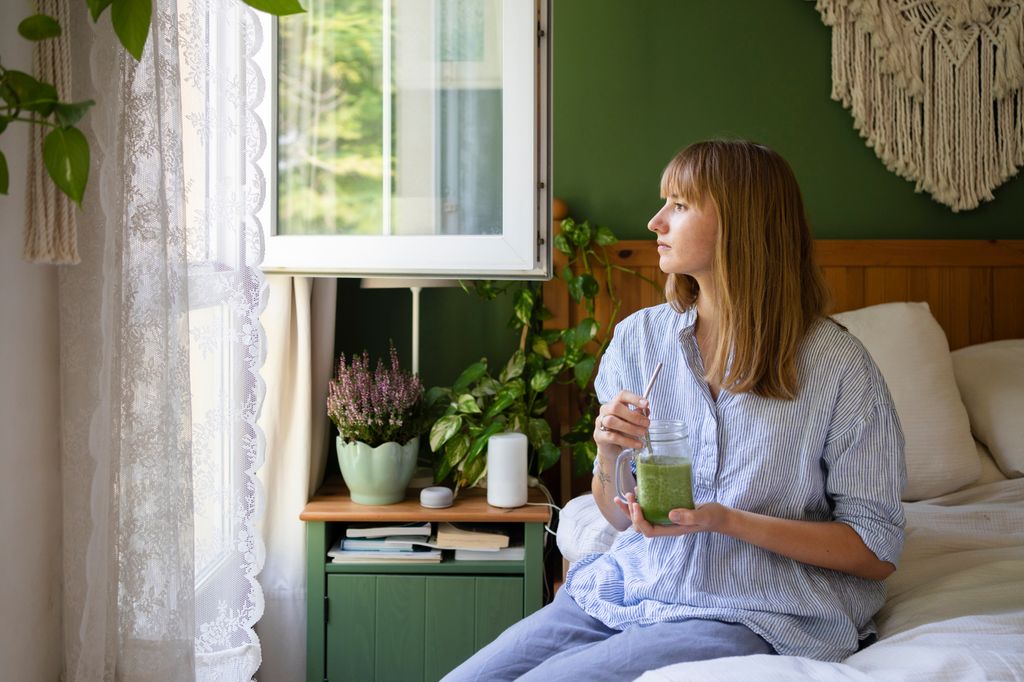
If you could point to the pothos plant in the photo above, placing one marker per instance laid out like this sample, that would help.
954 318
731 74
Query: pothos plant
24 99
479 405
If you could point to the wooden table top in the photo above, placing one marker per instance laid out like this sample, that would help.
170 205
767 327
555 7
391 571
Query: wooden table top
332 503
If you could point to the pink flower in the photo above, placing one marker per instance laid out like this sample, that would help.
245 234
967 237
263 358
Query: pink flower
375 407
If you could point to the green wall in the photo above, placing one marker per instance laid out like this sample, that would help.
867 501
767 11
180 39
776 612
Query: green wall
637 80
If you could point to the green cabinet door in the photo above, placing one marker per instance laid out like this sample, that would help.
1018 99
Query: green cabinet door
398 628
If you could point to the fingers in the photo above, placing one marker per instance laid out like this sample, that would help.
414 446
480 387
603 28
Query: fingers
622 421
645 527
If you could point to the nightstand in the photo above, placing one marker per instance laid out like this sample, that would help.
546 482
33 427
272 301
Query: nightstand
411 621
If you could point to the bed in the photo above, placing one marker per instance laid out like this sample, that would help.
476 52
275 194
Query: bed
944 320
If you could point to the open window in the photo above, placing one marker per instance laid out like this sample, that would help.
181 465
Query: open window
412 139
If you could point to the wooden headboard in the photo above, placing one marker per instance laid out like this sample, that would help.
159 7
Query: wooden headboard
975 289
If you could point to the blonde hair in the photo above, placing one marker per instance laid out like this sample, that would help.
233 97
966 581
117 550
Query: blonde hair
769 289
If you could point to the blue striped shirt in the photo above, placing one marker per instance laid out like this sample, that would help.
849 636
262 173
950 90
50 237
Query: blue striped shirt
835 452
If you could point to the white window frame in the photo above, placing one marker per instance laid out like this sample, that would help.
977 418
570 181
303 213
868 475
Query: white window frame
521 251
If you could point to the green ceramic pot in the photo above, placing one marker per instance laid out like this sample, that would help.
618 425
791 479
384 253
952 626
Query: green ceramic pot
377 475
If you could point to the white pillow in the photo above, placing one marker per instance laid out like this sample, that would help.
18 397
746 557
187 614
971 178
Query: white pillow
991 381
911 351
582 529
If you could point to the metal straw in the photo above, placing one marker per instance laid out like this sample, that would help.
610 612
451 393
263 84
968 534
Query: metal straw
647 392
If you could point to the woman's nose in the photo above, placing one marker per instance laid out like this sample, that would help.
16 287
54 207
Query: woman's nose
655 224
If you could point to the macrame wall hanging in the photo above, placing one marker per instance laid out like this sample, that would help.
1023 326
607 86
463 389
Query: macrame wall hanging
51 233
936 87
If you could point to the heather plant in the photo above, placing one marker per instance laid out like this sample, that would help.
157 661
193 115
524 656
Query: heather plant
375 407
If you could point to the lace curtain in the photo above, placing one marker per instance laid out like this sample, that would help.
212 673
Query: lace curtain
160 351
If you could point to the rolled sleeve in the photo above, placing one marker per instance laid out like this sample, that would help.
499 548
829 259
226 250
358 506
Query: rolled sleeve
866 475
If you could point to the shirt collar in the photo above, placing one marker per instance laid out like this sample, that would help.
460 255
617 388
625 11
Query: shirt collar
687 323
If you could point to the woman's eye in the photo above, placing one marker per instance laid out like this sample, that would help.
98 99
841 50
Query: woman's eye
680 207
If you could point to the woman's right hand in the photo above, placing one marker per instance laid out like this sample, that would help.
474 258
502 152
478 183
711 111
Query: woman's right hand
621 423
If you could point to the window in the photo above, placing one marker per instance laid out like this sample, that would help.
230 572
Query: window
412 139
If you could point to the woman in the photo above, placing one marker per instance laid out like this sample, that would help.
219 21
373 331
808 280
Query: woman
797 452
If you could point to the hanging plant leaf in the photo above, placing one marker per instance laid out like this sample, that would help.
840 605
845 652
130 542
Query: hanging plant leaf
583 455
454 452
278 8
39 27
541 348
514 367
469 376
4 174
25 92
539 432
576 288
555 365
70 113
586 330
583 370
473 471
541 380
467 404
486 386
570 340
481 441
518 423
568 230
589 285
562 244
604 236
540 405
581 235
96 8
523 305
443 429
503 400
66 157
434 395
131 19
547 456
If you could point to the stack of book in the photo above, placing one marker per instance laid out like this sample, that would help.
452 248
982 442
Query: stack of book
477 544
414 543
404 543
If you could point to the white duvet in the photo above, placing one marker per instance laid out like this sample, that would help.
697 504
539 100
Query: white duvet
955 607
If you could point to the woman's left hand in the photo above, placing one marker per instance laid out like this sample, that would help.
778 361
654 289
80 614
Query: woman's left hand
711 516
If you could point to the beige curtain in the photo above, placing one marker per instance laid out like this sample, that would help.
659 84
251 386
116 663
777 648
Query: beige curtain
299 325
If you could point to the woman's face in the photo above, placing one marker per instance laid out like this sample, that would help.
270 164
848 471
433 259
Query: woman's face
687 235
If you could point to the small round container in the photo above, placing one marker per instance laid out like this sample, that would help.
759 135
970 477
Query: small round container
436 497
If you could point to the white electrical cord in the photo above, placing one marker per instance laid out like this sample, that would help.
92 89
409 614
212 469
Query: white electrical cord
535 482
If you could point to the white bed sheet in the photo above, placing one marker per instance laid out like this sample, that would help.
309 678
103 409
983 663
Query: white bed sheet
955 609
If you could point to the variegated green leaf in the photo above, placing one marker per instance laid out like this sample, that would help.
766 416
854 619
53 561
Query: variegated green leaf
443 429
467 404
514 367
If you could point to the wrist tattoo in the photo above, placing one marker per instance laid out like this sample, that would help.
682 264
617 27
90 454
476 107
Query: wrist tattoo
601 475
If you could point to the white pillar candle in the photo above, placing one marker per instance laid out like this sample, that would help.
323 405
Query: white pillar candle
506 470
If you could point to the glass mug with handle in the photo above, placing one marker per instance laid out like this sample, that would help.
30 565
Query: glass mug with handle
664 468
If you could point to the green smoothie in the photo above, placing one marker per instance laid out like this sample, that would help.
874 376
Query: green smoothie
663 485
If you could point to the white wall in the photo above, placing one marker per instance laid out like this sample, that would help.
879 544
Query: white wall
30 506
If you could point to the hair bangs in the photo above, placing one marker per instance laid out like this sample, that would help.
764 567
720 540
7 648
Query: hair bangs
683 177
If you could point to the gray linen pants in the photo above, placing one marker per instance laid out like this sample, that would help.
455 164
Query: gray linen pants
562 642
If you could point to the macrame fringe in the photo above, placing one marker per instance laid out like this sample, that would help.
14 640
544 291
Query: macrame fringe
936 88
51 235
